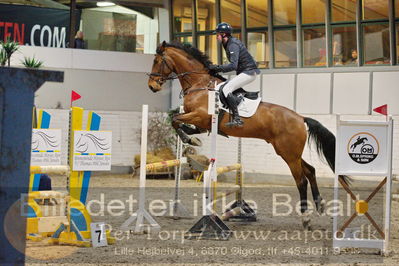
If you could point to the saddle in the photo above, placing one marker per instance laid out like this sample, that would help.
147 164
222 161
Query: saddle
240 94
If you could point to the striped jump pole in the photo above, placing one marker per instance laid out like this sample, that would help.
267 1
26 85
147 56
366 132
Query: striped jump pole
158 165
225 169
50 169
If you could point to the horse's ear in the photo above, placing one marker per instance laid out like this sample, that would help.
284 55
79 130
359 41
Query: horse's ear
161 48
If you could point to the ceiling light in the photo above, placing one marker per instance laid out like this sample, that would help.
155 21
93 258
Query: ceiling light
104 3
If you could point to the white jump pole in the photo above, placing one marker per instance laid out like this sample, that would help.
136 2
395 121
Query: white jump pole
210 175
388 197
178 209
142 213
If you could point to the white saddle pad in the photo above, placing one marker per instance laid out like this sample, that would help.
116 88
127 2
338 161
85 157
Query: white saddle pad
247 107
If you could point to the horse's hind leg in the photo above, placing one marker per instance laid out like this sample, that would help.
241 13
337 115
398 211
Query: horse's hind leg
302 185
310 174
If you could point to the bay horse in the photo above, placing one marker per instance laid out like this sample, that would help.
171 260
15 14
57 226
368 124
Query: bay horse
283 128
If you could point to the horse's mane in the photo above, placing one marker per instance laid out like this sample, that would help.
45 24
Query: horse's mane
194 52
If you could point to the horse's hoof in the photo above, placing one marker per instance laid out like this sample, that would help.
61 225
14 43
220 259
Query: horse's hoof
306 225
322 207
195 141
189 151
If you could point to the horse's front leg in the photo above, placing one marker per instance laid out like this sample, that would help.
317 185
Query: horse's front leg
181 129
191 129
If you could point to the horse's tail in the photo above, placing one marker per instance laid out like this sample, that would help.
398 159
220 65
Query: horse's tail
325 143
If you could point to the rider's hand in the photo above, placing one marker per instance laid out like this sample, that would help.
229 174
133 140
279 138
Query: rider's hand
215 68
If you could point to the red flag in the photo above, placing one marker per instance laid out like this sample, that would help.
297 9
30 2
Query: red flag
383 109
74 96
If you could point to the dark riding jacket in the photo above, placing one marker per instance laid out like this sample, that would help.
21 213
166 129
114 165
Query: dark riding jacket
240 59
80 44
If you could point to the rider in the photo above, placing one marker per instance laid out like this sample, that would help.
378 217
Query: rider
240 61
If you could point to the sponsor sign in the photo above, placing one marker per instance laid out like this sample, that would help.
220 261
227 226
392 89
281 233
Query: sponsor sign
35 26
46 147
92 150
362 148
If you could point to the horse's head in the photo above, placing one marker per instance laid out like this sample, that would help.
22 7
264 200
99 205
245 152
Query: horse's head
162 67
183 62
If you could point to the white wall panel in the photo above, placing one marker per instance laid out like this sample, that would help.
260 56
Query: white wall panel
351 93
279 89
112 61
176 101
386 90
51 57
313 93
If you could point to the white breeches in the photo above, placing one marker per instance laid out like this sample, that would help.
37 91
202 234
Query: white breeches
237 82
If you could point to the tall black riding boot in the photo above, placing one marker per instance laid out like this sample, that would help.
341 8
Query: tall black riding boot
233 105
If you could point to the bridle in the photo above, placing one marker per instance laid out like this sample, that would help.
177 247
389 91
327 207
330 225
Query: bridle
172 75
163 78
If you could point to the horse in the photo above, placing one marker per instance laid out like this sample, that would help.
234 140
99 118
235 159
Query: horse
283 128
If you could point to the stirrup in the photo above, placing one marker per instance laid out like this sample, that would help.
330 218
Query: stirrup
235 123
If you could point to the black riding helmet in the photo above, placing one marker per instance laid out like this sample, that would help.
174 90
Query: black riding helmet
224 27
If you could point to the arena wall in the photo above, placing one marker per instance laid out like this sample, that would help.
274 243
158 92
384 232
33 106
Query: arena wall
258 157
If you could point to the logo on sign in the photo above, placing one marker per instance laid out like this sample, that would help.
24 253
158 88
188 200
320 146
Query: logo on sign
44 140
90 141
363 148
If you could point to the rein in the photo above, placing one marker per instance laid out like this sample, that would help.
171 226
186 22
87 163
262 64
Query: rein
184 93
171 76
188 91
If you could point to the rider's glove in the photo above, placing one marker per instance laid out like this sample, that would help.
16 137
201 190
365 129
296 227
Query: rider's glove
215 68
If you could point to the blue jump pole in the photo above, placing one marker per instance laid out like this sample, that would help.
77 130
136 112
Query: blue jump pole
17 89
